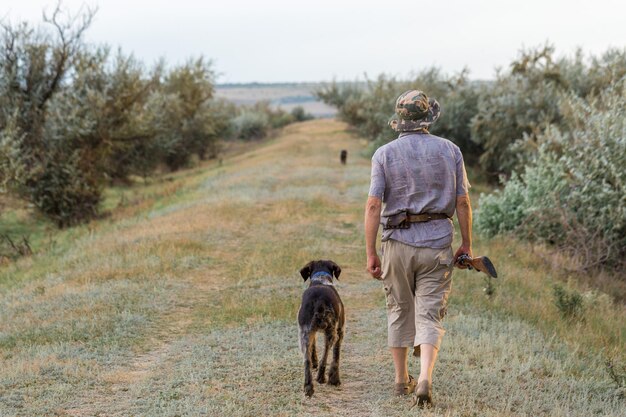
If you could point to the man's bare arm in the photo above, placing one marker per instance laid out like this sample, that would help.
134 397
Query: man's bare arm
372 219
464 214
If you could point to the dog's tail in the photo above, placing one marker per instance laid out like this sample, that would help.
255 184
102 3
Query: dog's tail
322 315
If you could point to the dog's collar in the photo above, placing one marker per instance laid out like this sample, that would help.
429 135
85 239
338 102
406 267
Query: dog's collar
320 277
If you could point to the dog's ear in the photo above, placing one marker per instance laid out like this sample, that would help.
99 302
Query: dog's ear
306 271
336 269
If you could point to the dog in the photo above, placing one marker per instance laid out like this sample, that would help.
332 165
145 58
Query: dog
321 310
343 156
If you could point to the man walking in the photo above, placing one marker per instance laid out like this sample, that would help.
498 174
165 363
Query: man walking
418 182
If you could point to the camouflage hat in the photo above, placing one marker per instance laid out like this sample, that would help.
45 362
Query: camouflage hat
414 111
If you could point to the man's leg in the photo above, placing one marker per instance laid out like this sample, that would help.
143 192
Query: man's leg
432 289
428 357
399 287
400 359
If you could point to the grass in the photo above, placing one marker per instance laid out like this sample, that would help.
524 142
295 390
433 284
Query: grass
183 302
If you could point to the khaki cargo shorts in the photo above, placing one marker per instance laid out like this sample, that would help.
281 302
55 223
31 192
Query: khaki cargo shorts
417 283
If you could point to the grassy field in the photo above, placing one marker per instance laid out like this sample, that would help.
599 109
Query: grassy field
183 301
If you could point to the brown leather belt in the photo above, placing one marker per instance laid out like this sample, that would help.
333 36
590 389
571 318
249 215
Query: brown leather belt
404 220
424 217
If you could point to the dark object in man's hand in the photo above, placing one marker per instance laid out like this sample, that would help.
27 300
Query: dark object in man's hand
481 263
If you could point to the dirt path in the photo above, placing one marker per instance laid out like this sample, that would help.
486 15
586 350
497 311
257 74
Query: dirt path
117 392
113 396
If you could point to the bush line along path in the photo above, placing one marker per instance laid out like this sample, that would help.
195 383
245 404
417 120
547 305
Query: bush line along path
188 306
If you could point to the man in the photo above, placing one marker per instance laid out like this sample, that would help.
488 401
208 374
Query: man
418 181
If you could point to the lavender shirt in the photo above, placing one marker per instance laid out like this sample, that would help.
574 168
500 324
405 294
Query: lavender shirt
419 173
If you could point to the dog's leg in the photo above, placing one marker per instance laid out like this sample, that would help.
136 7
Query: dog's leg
314 350
305 342
302 331
328 342
301 340
333 373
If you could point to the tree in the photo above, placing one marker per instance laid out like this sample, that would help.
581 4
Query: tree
192 127
34 64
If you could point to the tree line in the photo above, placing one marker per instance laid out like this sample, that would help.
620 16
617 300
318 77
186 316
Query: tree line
75 117
552 130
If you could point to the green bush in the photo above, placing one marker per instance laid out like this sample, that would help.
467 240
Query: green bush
503 210
251 125
73 117
65 191
276 117
192 127
518 106
572 194
494 123
298 114
569 304
12 166
255 122
34 163
459 106
34 63
515 110
102 110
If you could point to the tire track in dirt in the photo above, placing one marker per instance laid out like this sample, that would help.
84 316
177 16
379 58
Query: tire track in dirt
114 396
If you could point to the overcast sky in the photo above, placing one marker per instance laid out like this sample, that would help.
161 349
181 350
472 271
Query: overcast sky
318 40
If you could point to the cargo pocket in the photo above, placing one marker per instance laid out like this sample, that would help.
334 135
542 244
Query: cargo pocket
390 299
446 261
446 258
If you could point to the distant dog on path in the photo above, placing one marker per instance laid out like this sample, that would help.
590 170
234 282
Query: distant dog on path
321 310
343 156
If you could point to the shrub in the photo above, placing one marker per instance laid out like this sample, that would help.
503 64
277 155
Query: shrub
33 72
73 117
12 166
300 115
276 117
251 125
503 210
66 192
515 110
569 304
496 123
519 105
255 122
572 194
588 77
459 106
33 66
192 127
102 110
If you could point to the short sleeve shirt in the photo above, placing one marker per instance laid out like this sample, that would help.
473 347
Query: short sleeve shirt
419 173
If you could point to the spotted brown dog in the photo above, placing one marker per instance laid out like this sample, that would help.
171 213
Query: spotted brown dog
321 310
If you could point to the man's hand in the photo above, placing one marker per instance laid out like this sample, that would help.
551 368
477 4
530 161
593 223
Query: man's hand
463 250
372 218
464 215
373 266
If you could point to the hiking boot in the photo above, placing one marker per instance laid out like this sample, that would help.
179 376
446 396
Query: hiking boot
423 396
405 388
